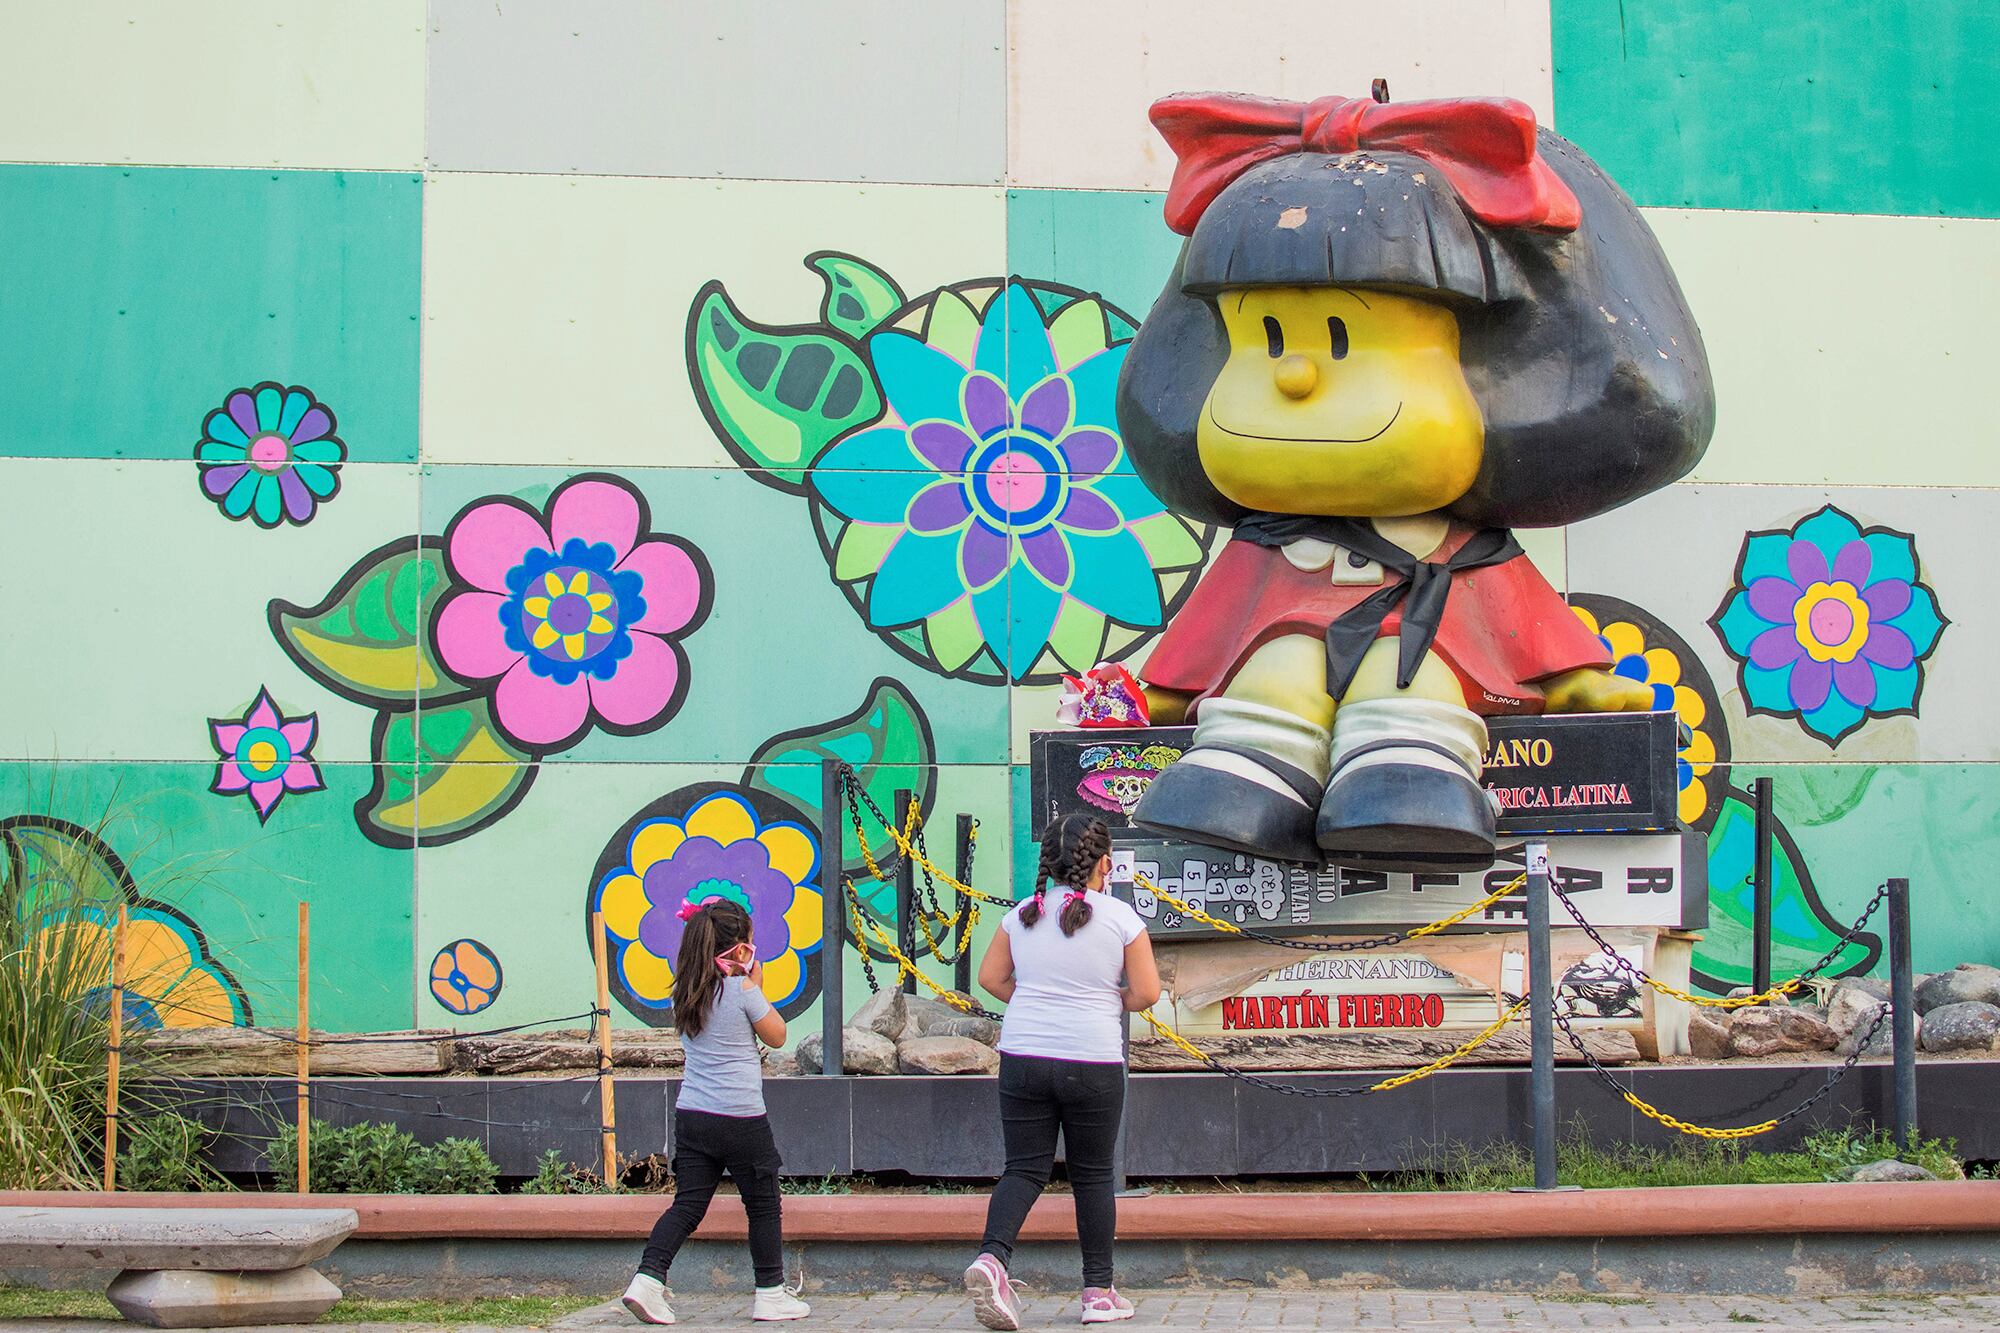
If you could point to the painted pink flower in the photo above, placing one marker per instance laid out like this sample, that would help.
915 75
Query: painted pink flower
572 612
265 754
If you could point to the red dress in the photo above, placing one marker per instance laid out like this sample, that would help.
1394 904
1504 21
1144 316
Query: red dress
1504 627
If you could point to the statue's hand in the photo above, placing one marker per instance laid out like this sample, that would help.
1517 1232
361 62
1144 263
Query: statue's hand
1589 690
1167 708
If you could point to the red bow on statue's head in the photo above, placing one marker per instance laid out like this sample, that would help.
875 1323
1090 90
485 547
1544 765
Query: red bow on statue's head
1485 146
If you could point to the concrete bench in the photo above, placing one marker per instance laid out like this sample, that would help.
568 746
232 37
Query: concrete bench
189 1267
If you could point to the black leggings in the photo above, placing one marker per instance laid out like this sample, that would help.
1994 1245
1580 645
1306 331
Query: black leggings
704 1147
1086 1101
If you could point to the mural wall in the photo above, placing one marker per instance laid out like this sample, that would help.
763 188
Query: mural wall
464 466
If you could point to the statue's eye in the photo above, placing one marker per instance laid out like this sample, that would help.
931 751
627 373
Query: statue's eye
1274 337
1336 335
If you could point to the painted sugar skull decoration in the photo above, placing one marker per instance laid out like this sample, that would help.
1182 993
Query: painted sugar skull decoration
1394 332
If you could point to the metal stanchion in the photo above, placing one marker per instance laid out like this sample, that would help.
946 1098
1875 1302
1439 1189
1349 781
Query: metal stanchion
833 920
1903 1012
1760 886
906 893
1541 1018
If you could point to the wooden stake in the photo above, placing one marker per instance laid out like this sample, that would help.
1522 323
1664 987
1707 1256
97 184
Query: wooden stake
117 1042
607 1112
305 1051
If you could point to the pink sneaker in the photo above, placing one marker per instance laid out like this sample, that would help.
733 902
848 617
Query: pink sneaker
1102 1305
993 1294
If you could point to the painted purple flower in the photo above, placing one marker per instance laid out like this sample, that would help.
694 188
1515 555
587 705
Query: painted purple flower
721 848
1829 623
270 454
265 754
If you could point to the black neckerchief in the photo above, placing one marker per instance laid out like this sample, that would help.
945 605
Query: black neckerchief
1425 585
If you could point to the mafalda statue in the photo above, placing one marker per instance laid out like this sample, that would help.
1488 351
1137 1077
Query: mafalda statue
1395 332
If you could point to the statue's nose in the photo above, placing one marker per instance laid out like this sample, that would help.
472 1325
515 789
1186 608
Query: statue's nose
1296 375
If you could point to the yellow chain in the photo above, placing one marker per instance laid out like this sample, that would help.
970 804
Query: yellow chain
1232 928
1647 1109
906 844
904 967
1776 993
861 836
1492 1029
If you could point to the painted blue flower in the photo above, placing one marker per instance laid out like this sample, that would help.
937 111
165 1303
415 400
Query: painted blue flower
995 506
1829 624
568 611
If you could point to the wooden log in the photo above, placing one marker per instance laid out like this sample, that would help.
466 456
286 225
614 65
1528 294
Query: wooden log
1369 1050
564 1049
223 1052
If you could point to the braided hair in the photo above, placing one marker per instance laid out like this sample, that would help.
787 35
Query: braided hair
1071 849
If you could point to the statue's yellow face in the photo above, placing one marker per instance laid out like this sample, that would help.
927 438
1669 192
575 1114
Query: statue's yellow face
1339 402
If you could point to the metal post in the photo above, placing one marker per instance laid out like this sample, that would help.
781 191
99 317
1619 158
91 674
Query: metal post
1760 886
961 970
1903 1012
906 892
1541 1015
833 920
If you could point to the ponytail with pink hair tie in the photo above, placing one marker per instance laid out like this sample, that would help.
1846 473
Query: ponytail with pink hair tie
688 909
1073 896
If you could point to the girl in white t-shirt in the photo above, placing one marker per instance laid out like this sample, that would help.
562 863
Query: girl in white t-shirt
1068 972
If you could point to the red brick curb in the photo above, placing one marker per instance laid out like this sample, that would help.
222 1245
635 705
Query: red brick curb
1701 1210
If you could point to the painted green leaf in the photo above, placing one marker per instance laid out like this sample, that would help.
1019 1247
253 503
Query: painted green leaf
443 769
1802 930
367 640
858 297
59 862
888 741
776 397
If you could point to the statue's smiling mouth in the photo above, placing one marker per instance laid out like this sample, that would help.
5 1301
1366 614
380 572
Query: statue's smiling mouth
1304 439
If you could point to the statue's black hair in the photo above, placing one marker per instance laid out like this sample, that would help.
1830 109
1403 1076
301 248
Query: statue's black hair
1579 347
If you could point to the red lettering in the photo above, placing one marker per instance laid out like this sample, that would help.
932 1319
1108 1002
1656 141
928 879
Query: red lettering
1392 1010
1274 1012
1375 1010
1232 1013
1434 1010
1319 1014
1347 1011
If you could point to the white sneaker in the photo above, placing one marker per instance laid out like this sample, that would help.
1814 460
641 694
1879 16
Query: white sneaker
647 1299
992 1293
778 1303
1103 1305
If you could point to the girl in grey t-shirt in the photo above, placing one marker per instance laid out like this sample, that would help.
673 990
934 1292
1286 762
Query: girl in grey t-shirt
719 1120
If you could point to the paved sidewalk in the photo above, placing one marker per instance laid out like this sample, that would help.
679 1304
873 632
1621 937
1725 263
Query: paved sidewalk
1284 1311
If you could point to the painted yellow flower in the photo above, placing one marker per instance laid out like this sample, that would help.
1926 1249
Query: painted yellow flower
722 847
1660 668
169 980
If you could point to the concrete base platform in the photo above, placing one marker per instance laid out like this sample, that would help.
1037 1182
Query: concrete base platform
221 1300
149 1236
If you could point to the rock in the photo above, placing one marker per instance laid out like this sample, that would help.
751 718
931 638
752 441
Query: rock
183 1299
982 1030
1870 986
1738 993
1851 1009
1778 1030
1971 1026
862 1052
1887 1169
1708 1037
926 1016
946 1055
1882 1043
884 1013
1968 983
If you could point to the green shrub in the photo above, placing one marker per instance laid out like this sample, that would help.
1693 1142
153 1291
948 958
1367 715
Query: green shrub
555 1176
166 1152
455 1166
377 1158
